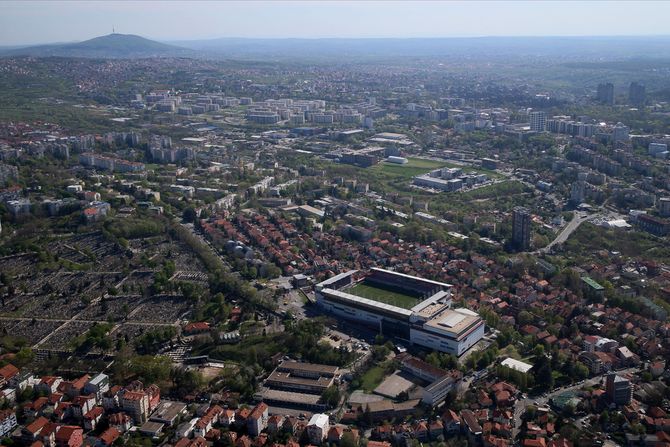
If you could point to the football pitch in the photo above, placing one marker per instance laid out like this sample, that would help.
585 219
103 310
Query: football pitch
388 295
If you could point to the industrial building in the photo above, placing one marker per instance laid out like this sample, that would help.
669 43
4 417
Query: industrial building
407 307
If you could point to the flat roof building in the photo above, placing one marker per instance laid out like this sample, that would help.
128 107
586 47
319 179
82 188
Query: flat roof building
517 365
297 384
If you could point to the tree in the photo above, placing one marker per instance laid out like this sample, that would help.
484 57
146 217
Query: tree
189 215
331 396
604 418
23 357
525 318
151 368
543 375
581 370
348 440
186 381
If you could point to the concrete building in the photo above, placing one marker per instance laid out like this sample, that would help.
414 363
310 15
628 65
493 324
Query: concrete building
168 412
19 207
605 93
109 163
449 179
538 121
440 382
8 173
302 377
7 422
664 206
657 148
521 228
618 389
317 429
654 225
98 385
258 419
637 94
136 405
620 133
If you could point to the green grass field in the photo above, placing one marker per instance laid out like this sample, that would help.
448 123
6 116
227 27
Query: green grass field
385 295
415 166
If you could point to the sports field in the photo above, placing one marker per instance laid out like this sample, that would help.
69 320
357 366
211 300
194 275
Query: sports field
387 295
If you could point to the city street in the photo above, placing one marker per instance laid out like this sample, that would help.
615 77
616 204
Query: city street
563 236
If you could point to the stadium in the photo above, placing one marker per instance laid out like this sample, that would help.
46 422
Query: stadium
407 307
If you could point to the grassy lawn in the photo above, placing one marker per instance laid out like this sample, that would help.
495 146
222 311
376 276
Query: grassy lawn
384 295
372 378
415 166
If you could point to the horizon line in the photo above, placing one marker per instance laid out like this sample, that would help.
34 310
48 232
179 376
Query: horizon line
488 36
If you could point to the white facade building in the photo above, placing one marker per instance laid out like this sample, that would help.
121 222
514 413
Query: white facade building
318 427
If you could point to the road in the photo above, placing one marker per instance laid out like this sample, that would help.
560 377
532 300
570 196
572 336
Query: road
521 404
563 236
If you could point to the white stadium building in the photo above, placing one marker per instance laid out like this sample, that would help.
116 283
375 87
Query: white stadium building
407 307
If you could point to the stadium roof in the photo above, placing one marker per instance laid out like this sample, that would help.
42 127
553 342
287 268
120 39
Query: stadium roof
354 299
336 278
415 278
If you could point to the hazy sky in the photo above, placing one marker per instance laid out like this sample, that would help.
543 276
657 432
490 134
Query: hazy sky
29 22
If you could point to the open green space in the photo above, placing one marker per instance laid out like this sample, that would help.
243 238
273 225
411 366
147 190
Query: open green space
372 378
387 295
418 166
415 166
589 238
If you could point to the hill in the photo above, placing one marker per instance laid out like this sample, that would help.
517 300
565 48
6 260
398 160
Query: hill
111 46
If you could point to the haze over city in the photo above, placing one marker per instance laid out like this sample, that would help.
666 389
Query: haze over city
30 22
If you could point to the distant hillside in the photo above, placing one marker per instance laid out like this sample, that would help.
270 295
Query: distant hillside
566 48
111 46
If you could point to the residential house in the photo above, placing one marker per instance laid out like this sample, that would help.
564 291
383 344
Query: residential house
108 437
472 428
69 436
258 419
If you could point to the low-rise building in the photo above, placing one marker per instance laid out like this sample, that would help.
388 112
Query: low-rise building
317 428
